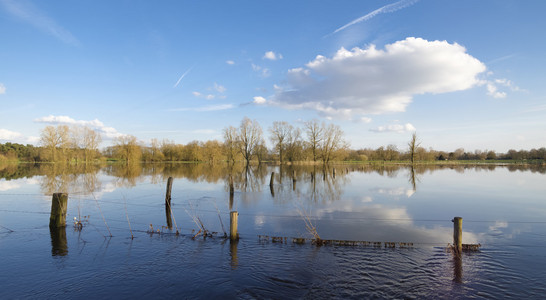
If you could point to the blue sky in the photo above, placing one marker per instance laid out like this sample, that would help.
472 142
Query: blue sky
464 74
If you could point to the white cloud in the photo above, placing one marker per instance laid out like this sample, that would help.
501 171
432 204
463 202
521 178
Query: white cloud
107 132
374 81
399 128
8 135
264 72
205 108
493 91
230 62
365 120
2 89
30 14
219 88
16 137
272 55
259 100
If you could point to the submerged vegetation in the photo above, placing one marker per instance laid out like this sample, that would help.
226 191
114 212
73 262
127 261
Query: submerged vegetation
316 142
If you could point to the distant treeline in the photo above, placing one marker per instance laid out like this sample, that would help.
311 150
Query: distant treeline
314 142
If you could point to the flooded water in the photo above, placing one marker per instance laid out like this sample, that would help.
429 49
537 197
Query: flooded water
503 209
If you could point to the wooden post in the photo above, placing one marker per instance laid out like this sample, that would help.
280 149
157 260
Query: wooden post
233 235
58 210
293 180
168 193
334 172
458 234
272 177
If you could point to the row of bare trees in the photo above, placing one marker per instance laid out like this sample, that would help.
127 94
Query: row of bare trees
64 143
322 142
312 141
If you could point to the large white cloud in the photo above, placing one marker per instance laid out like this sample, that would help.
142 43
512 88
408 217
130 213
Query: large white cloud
107 132
375 81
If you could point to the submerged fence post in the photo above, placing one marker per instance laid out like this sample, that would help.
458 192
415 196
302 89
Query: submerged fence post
233 235
458 234
293 180
58 210
271 179
168 193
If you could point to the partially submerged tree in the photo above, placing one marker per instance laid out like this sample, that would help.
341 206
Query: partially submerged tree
250 136
127 148
55 138
331 142
314 131
413 145
231 137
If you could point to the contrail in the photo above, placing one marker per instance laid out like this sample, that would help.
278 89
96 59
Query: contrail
183 75
385 9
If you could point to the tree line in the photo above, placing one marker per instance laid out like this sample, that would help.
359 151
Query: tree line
313 142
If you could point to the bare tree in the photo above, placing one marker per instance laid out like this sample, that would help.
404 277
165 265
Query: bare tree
413 145
91 142
280 132
231 137
53 138
294 145
314 130
250 136
331 142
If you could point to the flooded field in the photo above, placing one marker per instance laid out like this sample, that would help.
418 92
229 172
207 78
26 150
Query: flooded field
503 209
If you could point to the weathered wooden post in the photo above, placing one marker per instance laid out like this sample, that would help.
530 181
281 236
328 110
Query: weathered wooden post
458 234
272 178
233 235
231 192
168 193
293 180
334 172
168 215
58 210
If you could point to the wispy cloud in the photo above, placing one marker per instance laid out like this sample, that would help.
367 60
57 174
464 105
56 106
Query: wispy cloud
205 108
217 89
2 89
230 62
398 128
107 132
182 77
382 10
264 72
30 14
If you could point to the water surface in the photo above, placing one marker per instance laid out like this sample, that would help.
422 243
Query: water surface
503 209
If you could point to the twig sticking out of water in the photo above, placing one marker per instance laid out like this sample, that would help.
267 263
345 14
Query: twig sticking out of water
311 228
172 216
7 229
220 218
100 210
127 215
197 221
